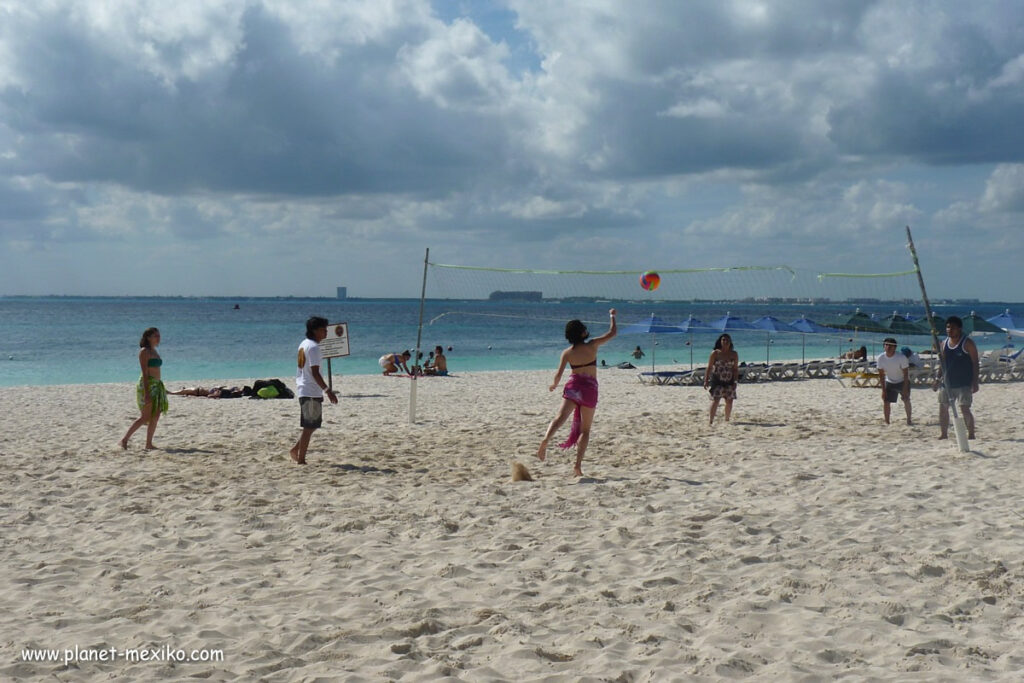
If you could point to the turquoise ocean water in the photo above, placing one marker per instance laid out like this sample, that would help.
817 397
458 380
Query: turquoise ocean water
62 340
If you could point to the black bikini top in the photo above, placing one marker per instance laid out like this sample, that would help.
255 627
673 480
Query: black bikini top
584 365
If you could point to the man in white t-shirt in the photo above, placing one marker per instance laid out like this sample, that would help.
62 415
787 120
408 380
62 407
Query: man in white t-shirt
310 386
894 371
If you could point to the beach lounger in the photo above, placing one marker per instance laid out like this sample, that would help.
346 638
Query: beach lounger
819 369
1016 369
783 371
665 377
863 379
922 375
992 368
752 373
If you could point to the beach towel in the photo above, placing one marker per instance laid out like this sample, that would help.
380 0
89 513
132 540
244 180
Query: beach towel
581 390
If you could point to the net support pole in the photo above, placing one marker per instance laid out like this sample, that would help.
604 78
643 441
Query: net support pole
959 427
419 339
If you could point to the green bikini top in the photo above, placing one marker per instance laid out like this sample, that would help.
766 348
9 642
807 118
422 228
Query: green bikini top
154 362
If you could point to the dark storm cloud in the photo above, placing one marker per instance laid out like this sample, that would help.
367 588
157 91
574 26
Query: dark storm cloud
931 121
963 105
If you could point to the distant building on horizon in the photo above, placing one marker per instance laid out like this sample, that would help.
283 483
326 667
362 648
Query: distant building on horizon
342 292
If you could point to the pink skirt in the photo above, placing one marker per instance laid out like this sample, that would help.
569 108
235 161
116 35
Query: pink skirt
581 390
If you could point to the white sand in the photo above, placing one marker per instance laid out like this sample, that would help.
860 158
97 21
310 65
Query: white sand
804 541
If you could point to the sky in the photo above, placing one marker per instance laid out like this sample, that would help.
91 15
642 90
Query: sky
286 147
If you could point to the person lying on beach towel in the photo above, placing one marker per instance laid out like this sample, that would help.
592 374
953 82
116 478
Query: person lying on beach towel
216 392
272 388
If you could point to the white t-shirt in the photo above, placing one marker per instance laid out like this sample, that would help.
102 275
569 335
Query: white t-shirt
893 366
308 358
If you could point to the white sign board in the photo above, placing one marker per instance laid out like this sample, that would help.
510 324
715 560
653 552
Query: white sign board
336 342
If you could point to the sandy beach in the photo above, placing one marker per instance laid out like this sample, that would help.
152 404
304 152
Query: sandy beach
805 540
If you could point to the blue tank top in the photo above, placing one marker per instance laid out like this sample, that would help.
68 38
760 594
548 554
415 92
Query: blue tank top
957 364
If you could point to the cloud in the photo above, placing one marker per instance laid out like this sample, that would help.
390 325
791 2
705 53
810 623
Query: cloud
265 114
1004 191
944 86
576 130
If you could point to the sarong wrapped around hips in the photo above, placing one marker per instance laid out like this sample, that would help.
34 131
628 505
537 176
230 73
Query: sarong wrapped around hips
581 390
157 394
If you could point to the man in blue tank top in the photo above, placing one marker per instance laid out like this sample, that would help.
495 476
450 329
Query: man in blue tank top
959 358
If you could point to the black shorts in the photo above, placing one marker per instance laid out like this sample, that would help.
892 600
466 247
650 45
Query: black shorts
893 392
311 412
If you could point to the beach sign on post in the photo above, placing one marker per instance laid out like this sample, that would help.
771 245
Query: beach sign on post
334 345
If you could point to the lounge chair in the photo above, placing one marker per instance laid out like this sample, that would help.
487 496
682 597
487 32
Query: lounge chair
922 375
755 372
1016 369
783 371
665 377
992 368
863 378
819 369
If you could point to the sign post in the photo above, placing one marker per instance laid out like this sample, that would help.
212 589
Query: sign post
334 345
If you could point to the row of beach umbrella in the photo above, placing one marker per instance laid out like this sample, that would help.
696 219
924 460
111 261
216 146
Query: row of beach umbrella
857 321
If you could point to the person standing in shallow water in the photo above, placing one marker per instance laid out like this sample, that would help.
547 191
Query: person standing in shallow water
579 398
150 394
722 373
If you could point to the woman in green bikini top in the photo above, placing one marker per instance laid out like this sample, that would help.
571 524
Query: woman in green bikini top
150 393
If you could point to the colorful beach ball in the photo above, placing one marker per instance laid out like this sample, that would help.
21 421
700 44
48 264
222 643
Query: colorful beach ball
650 280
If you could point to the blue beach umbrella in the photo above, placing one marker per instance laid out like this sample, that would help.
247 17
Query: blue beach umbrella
770 324
689 326
1009 323
807 326
730 323
651 325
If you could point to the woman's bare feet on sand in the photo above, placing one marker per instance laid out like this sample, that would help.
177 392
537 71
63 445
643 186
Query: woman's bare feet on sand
295 456
123 444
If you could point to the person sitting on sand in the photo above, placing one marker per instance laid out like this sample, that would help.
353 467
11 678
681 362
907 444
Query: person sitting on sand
391 362
439 366
580 394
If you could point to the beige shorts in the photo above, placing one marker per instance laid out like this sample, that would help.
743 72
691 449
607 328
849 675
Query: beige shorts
962 395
